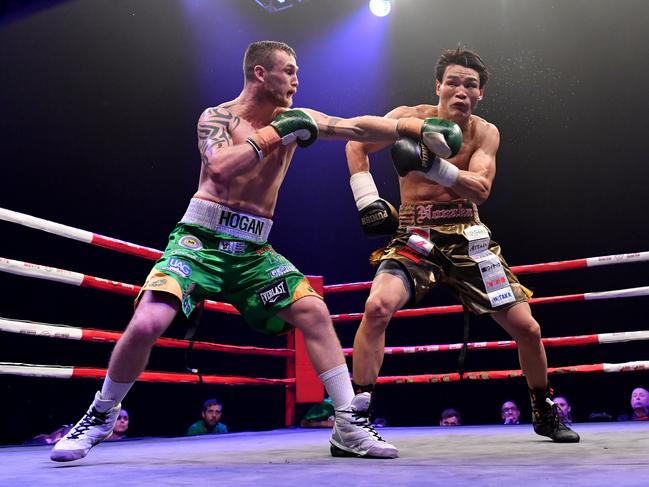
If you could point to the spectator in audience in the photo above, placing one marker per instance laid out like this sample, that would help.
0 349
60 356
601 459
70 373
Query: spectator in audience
563 409
210 424
450 417
510 413
319 415
121 426
640 406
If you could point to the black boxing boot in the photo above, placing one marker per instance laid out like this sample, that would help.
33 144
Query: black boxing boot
358 389
545 418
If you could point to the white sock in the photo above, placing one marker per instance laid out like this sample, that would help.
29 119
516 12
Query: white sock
114 391
338 386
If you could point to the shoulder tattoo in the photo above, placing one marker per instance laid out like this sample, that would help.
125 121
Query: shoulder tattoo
214 131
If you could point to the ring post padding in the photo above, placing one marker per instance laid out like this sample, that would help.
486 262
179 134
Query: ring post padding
308 386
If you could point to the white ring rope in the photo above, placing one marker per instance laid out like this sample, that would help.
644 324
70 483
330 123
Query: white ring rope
148 252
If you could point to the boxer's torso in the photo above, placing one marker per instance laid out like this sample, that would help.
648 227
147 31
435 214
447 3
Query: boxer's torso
255 191
414 187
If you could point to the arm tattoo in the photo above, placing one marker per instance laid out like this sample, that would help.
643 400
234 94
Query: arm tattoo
214 131
334 128
330 128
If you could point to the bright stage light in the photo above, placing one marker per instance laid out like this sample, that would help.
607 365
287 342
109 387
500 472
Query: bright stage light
380 8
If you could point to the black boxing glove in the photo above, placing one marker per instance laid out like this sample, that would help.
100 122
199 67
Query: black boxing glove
378 217
410 155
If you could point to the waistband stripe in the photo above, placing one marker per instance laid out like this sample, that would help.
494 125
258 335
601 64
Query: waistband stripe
222 219
437 213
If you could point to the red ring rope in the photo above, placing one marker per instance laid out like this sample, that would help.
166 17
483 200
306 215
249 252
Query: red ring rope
70 372
78 279
149 253
93 335
509 374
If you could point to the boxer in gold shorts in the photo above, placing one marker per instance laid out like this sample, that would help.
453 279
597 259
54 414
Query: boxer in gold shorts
463 256
438 236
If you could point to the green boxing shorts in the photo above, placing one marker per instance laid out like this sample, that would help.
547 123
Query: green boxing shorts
218 251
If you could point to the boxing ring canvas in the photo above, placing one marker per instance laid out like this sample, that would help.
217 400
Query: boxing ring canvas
609 454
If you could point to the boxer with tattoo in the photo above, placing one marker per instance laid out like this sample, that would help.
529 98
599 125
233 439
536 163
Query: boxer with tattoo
220 246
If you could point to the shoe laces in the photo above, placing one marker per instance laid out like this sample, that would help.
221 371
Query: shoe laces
362 420
89 420
549 415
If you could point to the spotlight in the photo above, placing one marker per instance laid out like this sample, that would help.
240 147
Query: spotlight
380 8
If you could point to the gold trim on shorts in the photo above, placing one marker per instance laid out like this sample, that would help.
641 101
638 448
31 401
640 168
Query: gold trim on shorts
304 289
159 281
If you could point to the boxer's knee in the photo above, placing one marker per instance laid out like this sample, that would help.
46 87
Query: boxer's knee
379 310
528 331
309 314
146 327
519 323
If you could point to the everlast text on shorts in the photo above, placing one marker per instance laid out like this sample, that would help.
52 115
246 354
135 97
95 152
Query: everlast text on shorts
273 293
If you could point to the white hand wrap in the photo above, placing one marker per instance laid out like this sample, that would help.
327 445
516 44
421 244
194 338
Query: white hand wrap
443 172
364 189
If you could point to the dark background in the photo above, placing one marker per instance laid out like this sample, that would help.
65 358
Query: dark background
98 105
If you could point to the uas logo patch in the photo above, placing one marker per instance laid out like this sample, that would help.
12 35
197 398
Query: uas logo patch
179 267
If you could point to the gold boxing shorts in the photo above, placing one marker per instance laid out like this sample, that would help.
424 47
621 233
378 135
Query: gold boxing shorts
447 243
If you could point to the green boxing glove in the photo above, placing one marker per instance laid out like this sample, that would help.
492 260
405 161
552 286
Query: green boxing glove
438 133
296 125
442 137
286 128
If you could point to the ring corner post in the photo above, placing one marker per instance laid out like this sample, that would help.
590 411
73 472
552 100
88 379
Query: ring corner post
308 387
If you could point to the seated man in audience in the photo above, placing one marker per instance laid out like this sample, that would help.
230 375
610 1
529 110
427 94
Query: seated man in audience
510 413
210 424
563 409
639 404
450 417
